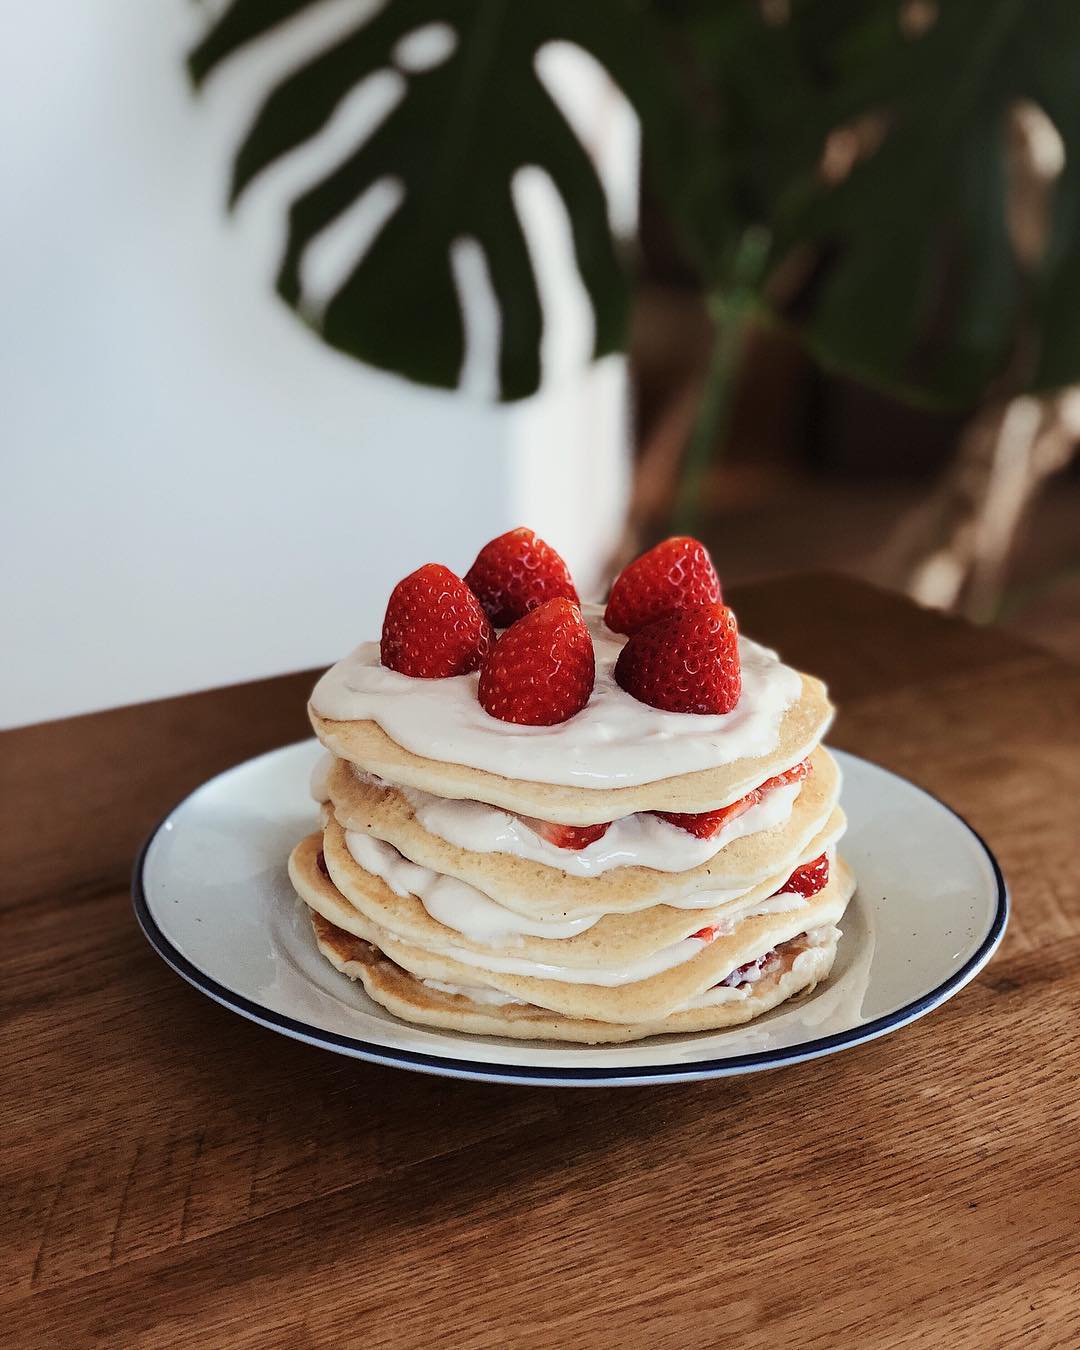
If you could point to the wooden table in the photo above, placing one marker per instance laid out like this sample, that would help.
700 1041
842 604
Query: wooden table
180 1177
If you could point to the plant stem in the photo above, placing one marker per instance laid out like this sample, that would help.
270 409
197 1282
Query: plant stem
730 310
714 411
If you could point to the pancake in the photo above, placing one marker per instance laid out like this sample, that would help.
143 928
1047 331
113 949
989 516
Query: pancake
408 998
365 743
646 1000
614 939
540 892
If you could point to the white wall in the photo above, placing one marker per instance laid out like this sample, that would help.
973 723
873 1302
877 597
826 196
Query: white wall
195 490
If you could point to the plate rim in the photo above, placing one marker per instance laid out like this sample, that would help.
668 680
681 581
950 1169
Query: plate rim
452 1066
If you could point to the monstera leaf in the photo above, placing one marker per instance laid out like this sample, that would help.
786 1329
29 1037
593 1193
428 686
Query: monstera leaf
454 141
918 284
911 276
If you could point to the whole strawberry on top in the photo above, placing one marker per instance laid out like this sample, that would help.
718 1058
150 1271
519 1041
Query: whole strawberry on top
542 669
516 572
674 574
686 662
434 626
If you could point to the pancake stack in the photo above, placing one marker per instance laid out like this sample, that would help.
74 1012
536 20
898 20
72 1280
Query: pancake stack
625 872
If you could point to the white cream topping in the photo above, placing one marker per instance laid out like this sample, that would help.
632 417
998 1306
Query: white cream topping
719 993
453 903
614 741
642 840
736 993
466 910
780 903
608 976
476 992
655 964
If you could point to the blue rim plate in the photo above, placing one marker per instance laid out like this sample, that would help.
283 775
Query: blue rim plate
212 897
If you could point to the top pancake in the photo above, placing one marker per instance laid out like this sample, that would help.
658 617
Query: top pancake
365 743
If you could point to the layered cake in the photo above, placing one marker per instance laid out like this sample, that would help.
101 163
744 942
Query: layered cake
561 821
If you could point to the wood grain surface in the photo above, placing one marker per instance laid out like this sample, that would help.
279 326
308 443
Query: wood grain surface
176 1176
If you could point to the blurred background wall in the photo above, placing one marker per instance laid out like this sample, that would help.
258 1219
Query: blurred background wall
196 490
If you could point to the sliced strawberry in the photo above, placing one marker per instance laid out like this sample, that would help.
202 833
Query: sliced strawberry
687 662
673 575
434 626
795 774
567 836
516 572
743 972
707 934
541 671
706 824
810 878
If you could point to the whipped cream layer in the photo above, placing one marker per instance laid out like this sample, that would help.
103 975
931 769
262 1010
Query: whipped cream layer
642 840
455 904
656 963
463 909
739 991
615 741
476 992
728 990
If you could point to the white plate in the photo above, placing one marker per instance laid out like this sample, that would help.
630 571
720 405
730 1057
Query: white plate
213 898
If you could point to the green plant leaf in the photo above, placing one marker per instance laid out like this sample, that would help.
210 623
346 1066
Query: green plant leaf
454 142
917 285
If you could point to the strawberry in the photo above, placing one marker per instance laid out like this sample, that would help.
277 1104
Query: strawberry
810 878
673 575
434 625
567 836
706 824
515 573
795 774
742 973
713 930
686 662
541 670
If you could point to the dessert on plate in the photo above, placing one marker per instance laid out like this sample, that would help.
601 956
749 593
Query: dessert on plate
553 820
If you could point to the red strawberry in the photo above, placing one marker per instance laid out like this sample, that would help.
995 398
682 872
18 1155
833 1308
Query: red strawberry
740 973
567 836
795 774
706 824
810 878
434 625
673 575
515 573
541 670
686 662
708 934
